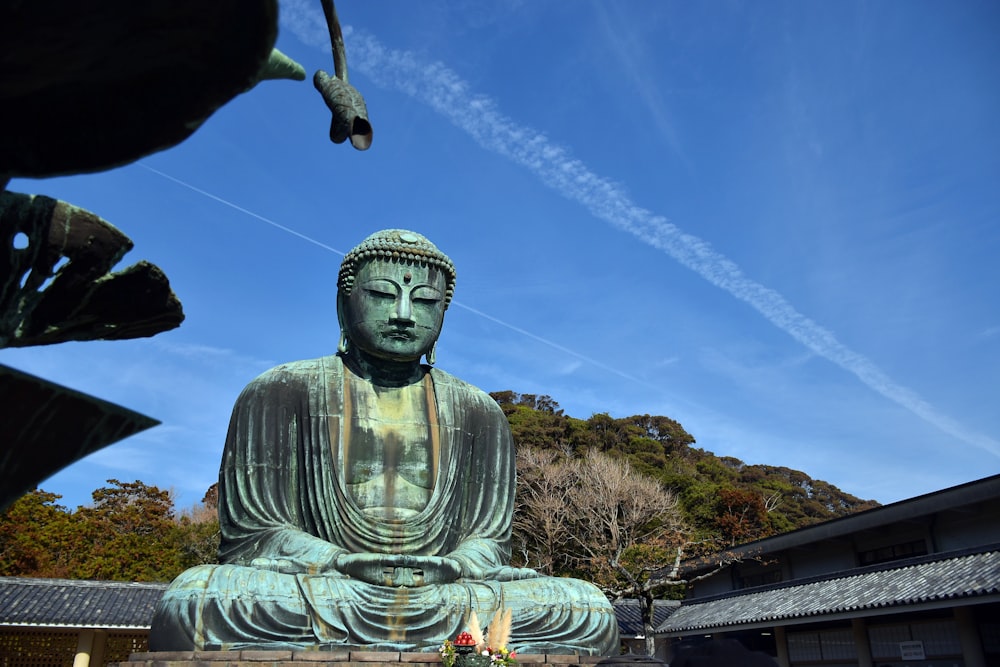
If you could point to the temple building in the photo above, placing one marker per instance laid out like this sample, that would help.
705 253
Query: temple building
914 583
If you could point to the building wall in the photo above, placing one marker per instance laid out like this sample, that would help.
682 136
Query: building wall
23 646
37 647
819 559
938 635
968 527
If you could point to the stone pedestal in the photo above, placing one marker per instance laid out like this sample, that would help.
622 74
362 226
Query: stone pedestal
338 658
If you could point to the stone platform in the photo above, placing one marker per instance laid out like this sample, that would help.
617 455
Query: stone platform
339 658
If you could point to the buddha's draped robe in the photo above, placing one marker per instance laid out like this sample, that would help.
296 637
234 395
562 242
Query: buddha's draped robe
285 515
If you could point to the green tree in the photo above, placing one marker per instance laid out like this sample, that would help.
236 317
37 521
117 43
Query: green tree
38 537
130 534
535 421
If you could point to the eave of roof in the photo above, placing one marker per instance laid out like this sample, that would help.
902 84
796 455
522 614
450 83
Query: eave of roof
70 603
70 626
868 591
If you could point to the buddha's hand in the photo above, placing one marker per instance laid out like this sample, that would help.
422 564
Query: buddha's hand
503 573
515 573
399 569
282 565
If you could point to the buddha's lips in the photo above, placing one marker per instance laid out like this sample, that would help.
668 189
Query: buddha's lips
399 334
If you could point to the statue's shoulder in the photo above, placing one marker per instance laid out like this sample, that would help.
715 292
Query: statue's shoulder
463 390
305 372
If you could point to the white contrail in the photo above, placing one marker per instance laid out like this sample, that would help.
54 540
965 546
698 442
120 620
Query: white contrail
449 95
240 209
316 242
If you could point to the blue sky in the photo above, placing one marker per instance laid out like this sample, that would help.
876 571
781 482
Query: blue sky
775 222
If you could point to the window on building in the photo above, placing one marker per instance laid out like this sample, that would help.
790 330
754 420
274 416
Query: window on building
760 578
830 647
936 639
885 639
892 552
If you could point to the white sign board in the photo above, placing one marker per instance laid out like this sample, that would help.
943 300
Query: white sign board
911 650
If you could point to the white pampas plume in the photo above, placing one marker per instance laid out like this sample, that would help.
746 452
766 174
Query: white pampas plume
499 628
476 631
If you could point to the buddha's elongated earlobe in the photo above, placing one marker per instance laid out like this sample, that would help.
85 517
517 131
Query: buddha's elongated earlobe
432 354
343 344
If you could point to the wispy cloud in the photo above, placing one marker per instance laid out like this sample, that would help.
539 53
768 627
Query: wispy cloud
448 94
207 355
623 46
550 343
989 332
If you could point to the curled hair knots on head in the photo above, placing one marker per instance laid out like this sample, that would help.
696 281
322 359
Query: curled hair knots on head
397 245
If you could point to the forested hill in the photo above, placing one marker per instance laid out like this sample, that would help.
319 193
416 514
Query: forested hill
721 496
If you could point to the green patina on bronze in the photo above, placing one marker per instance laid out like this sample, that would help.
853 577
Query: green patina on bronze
350 114
366 498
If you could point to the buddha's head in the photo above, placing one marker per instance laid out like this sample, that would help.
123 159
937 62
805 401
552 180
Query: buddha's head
392 292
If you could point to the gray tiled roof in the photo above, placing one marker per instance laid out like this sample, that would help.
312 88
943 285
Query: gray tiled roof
72 603
961 576
630 619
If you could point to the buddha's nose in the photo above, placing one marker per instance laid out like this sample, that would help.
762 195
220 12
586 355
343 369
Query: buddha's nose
404 311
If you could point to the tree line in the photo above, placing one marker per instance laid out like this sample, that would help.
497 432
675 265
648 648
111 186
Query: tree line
622 502
618 502
722 500
130 532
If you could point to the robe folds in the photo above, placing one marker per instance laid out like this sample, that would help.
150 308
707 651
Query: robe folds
285 515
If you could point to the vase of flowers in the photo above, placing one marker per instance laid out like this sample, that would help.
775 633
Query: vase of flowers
474 648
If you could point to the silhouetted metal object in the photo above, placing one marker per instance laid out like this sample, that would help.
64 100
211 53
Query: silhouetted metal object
55 284
350 115
46 427
87 86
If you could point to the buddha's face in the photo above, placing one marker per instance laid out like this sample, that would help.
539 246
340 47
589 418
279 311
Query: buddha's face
395 310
